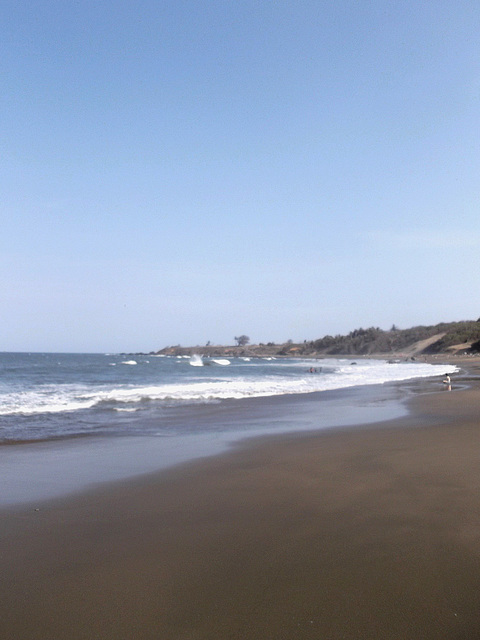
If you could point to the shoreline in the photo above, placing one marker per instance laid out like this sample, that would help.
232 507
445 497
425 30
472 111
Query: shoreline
33 472
355 533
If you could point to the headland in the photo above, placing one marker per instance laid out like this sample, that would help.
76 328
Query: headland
441 340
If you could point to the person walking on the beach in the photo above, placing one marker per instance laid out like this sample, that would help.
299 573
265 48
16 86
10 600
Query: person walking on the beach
448 382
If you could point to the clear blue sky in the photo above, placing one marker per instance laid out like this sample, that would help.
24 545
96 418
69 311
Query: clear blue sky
179 171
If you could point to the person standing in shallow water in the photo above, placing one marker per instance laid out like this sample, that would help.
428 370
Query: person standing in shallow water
448 382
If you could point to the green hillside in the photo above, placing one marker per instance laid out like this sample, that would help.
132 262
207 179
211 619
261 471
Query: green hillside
440 338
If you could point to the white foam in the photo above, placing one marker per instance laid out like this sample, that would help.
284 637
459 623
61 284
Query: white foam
196 361
46 399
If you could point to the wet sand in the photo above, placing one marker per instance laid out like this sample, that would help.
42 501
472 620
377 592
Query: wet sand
350 533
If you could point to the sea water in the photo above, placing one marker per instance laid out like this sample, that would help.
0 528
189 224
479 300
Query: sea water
76 420
47 395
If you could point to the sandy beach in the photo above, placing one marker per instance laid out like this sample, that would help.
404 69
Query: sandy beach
355 533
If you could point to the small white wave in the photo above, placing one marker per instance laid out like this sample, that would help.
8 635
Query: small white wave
131 362
222 361
196 361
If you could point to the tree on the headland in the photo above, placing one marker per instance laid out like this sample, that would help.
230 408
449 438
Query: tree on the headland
242 340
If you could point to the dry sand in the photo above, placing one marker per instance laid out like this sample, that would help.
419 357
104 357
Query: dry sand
356 533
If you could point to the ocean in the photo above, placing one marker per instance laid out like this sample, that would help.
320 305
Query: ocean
71 420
